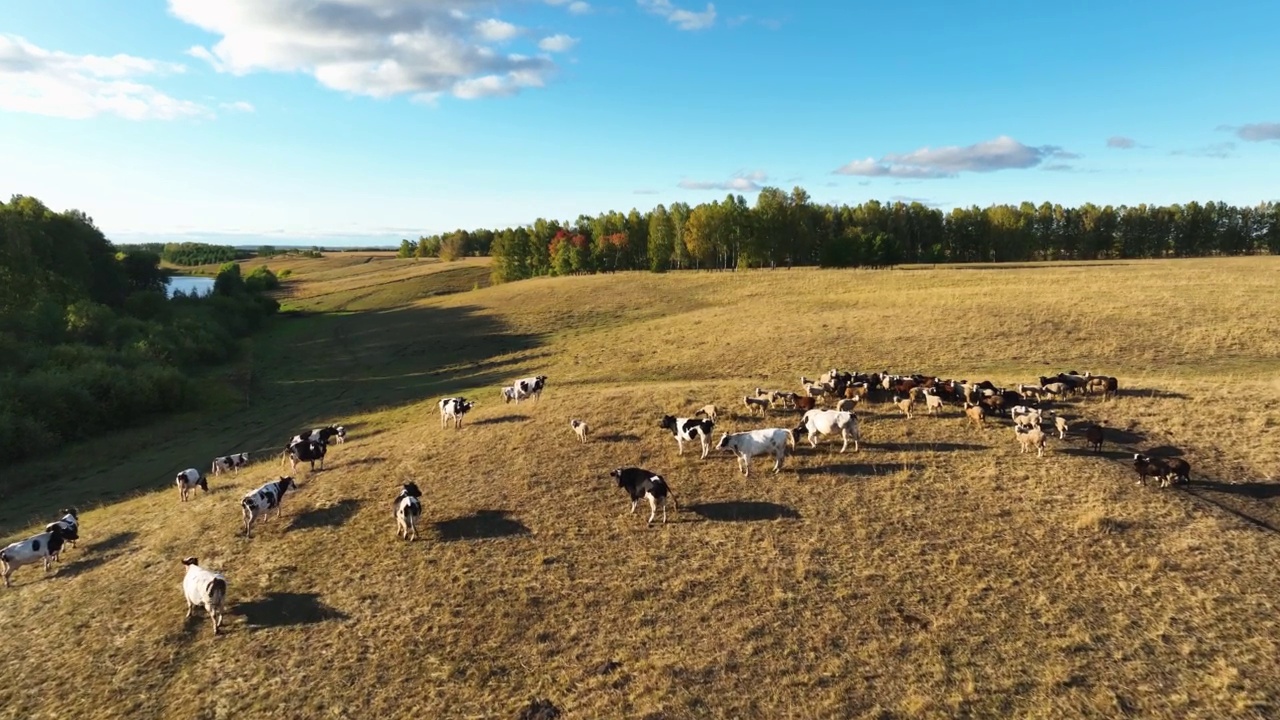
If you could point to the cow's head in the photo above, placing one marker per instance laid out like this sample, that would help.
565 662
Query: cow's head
616 473
668 422
71 512
724 441
203 483
411 490
188 561
286 483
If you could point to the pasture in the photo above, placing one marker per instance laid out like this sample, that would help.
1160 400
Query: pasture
936 573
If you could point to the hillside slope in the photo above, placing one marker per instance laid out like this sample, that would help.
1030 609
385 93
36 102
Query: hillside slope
936 573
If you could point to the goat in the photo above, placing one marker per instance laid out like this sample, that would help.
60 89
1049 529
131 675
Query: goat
408 508
581 429
747 445
650 486
206 589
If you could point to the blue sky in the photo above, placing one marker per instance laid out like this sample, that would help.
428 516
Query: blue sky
371 120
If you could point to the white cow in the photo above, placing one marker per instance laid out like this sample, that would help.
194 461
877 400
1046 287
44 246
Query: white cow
828 422
206 589
747 445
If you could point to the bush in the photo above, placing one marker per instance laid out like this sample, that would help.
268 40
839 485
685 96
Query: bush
261 280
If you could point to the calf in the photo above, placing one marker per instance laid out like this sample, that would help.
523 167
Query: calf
827 422
747 445
206 589
509 395
231 463
408 510
687 429
37 548
452 409
640 484
188 480
306 451
581 429
68 526
258 502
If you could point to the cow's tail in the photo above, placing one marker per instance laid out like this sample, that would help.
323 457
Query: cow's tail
671 495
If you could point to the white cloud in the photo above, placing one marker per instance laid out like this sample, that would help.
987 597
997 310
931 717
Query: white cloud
377 48
1120 142
577 7
681 18
1002 153
740 182
557 43
496 30
58 84
1255 132
238 106
1220 151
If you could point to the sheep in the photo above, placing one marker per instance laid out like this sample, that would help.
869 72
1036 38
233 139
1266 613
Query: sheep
408 508
188 480
641 483
975 413
581 429
1028 419
933 403
1030 392
708 411
1094 436
804 403
1061 424
753 403
68 526
687 429
1030 437
42 547
258 502
747 445
847 404
904 404
206 589
1055 389
828 422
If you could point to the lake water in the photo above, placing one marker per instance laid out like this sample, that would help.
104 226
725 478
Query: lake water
189 284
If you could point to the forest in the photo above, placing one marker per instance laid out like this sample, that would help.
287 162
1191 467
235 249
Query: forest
786 229
90 339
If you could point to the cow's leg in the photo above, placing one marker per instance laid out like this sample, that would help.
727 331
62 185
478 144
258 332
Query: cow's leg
680 445
844 435
633 506
653 506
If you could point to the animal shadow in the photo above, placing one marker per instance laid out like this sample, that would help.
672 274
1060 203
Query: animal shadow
113 542
79 566
481 525
1086 452
617 437
284 610
859 469
1253 490
926 447
498 420
743 511
1164 451
332 516
364 461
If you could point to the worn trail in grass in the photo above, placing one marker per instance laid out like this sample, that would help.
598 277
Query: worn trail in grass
937 573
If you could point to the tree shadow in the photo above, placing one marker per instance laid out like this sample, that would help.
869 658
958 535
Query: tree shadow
1252 490
926 447
285 610
331 516
481 525
616 437
859 469
113 542
743 511
502 420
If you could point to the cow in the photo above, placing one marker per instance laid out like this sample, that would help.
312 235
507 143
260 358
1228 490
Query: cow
306 451
37 548
642 484
452 409
188 480
827 422
687 429
206 589
747 445
530 387
258 502
68 526
231 463
408 508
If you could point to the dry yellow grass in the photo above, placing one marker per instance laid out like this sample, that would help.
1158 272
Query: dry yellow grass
938 573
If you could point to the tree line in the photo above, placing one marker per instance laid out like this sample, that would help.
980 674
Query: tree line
91 342
450 246
788 229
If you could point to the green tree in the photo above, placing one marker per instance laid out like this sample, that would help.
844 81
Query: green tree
408 249
661 240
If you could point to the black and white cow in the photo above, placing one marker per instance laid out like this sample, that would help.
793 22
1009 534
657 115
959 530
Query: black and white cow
37 548
321 435
188 480
258 502
452 409
408 510
68 526
529 387
306 451
642 484
688 429
231 463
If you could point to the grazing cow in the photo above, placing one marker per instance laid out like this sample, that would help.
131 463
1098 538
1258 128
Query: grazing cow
747 445
408 509
827 422
231 463
188 480
1179 470
581 429
204 588
42 547
530 387
640 484
68 526
452 409
1094 435
687 429
258 502
306 451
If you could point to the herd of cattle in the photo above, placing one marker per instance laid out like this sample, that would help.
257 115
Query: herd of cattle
1028 408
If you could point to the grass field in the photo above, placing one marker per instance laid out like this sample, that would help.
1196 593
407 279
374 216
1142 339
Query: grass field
937 573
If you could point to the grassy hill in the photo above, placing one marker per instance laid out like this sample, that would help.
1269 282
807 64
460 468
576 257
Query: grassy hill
937 573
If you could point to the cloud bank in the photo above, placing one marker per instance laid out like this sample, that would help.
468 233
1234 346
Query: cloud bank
1002 153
